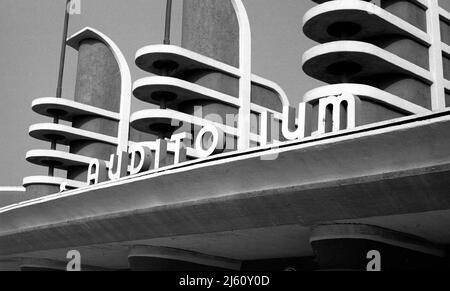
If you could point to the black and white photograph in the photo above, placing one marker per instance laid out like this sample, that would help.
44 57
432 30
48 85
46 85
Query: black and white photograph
223 142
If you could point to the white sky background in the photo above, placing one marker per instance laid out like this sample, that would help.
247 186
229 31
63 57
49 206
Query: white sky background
30 35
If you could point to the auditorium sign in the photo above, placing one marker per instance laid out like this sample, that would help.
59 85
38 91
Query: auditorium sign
185 137
211 139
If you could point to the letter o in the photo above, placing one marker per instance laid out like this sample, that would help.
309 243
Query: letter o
217 145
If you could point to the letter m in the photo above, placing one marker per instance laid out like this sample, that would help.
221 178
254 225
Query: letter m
338 113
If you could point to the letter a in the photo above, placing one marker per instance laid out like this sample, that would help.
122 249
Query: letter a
96 172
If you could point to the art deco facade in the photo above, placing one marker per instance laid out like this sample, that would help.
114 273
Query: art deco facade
363 166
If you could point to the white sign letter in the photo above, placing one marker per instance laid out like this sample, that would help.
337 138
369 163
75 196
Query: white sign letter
144 155
217 141
161 152
118 166
180 148
96 172
303 121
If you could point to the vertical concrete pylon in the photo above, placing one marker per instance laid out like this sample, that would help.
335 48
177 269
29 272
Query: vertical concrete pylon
211 28
99 115
98 83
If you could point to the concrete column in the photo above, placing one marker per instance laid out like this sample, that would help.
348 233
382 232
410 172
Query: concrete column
211 28
98 84
400 84
346 247
151 258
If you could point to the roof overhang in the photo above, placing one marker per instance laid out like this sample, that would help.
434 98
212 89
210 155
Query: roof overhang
393 168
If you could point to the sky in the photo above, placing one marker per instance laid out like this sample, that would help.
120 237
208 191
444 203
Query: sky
30 36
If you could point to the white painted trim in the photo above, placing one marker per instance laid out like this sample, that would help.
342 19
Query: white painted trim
173 115
178 83
245 68
171 147
435 52
125 75
57 181
422 3
197 60
71 133
190 57
74 108
12 189
261 109
446 49
213 94
200 90
369 49
64 157
364 92
370 9
447 85
444 13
